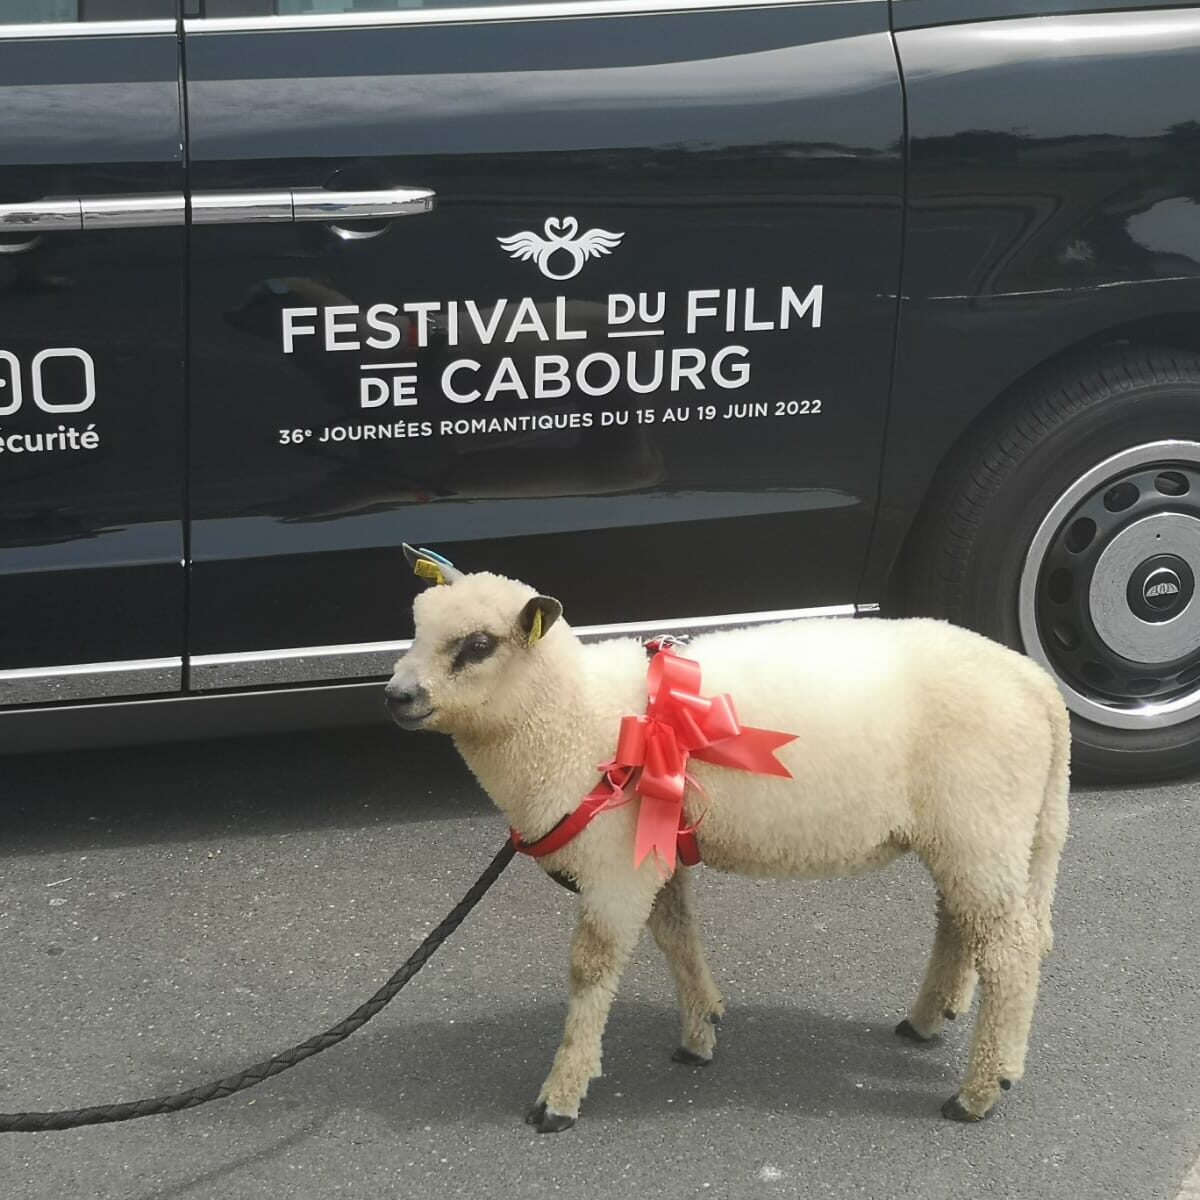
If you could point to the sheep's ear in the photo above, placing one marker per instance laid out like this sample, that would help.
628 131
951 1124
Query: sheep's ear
536 618
427 565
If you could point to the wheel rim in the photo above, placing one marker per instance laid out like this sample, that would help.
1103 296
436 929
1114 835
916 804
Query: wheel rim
1107 598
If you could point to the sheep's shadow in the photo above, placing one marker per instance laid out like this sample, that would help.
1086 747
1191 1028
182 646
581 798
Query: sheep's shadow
487 1070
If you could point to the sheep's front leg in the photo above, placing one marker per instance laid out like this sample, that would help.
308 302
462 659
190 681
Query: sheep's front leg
599 950
673 925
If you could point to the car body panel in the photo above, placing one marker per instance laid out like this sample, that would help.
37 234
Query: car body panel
1053 202
1033 171
92 470
728 152
916 14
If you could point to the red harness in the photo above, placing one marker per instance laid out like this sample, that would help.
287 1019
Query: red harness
594 803
610 792
651 761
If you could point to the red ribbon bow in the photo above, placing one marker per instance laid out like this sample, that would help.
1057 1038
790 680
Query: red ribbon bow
680 724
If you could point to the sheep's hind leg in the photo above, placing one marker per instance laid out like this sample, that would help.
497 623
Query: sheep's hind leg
673 924
599 950
1008 955
949 982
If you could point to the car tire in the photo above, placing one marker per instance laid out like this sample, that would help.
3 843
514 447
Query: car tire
1068 527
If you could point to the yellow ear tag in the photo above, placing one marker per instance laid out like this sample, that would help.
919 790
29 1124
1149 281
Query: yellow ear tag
535 631
425 568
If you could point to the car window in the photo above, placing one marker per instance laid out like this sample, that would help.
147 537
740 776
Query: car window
308 8
46 12
29 12
287 8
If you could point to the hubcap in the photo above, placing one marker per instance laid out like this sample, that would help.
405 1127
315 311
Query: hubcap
1161 588
1107 598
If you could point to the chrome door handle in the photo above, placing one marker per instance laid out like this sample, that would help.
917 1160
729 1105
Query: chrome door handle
316 204
93 212
211 208
309 204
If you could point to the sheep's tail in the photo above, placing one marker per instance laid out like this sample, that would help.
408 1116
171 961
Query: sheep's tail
1051 830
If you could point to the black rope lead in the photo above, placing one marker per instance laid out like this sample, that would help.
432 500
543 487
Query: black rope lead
102 1114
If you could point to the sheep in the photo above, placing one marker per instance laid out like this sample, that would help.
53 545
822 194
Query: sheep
910 735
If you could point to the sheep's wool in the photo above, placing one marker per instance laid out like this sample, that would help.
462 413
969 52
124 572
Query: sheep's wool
910 735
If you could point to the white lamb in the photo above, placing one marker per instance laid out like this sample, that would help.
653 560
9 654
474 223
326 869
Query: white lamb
910 735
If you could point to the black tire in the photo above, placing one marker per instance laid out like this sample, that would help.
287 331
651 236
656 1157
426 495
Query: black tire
969 548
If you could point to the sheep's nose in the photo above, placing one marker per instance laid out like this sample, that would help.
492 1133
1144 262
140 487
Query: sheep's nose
403 695
405 699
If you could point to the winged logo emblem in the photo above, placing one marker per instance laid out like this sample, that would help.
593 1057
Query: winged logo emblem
562 240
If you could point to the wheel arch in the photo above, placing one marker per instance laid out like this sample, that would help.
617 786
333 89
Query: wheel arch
1176 330
1006 504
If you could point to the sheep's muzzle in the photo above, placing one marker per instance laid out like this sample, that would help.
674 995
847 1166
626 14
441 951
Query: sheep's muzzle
407 704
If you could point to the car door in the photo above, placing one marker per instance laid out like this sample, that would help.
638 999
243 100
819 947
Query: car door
91 350
593 293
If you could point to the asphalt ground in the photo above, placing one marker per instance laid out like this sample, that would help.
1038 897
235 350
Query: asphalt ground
170 914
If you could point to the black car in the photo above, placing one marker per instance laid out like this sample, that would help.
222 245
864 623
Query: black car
693 312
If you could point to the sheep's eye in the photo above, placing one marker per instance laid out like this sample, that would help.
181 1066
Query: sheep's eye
474 648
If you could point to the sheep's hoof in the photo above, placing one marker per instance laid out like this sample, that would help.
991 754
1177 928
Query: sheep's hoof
690 1057
1005 1084
949 1014
957 1111
714 1018
546 1121
906 1029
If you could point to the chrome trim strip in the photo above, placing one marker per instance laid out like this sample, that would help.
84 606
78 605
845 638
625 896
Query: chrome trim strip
133 212
42 216
73 213
194 26
57 29
235 208
697 625
356 660
90 681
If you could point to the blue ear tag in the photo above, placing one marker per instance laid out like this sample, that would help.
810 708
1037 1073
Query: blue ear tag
435 557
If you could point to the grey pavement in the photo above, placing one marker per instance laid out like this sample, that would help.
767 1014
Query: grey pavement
169 914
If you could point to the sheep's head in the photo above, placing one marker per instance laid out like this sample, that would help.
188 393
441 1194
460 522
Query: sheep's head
477 638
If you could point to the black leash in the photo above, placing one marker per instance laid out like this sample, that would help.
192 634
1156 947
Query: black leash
102 1114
